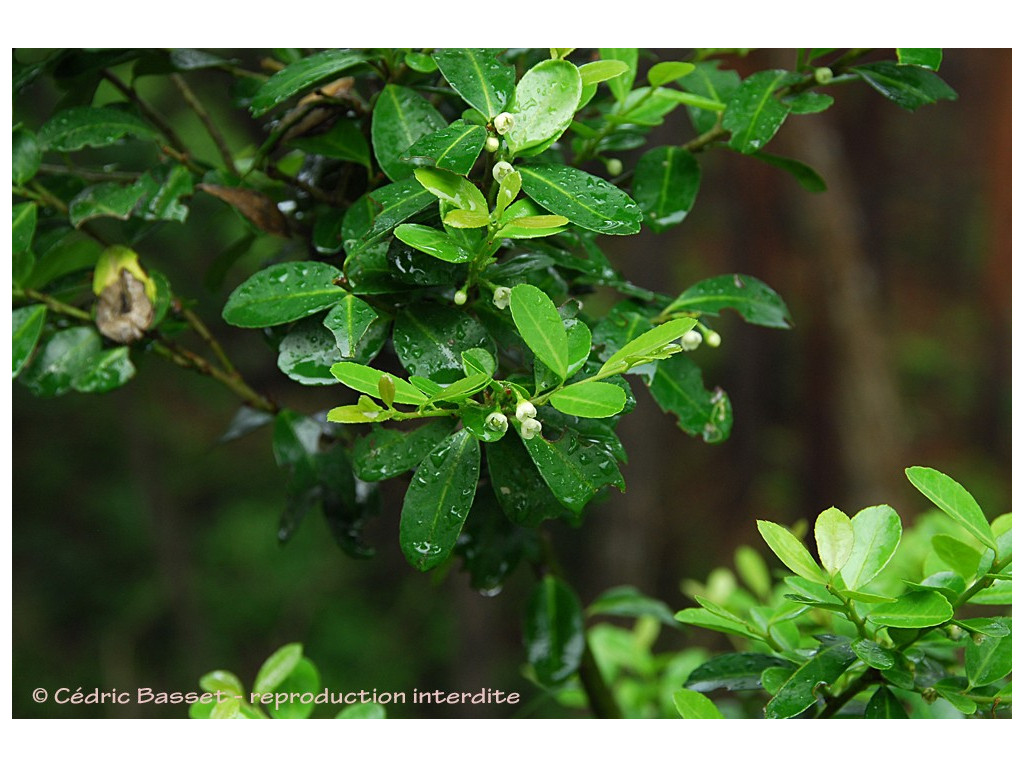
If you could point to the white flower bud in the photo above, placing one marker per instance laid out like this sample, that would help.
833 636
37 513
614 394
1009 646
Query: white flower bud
492 144
460 298
613 166
691 340
529 429
823 75
503 123
496 420
501 170
502 296
713 339
525 410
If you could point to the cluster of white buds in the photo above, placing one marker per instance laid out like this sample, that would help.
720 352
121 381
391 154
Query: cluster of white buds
502 297
503 123
501 170
497 420
526 413
690 340
492 144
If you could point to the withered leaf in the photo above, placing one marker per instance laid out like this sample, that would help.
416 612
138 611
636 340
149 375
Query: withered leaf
123 310
255 206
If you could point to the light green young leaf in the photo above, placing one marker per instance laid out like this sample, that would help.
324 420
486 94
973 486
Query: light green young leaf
366 411
667 71
692 705
462 389
363 378
961 557
362 711
590 399
648 344
834 535
277 667
914 610
790 550
432 242
452 188
595 72
541 327
989 660
620 85
953 499
544 105
876 534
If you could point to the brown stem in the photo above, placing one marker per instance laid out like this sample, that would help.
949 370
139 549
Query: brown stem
189 359
204 117
203 332
54 304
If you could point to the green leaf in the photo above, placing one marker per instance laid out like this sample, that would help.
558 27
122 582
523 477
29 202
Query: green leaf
713 84
998 627
585 200
508 190
430 339
350 320
988 660
304 678
26 154
162 193
883 705
667 71
753 114
678 387
833 533
384 209
65 356
876 534
952 689
790 550
400 118
460 219
621 84
222 680
873 654
72 129
1000 593
629 601
701 617
364 379
26 328
276 669
595 72
665 186
590 399
363 711
953 499
307 353
438 501
553 631
474 418
913 610
692 705
344 141
452 189
809 102
752 568
432 242
734 672
752 299
961 557
799 692
454 148
462 389
283 293
544 104
23 226
575 469
803 173
907 87
226 709
648 344
929 58
108 199
478 360
301 75
478 77
521 492
108 370
386 453
541 327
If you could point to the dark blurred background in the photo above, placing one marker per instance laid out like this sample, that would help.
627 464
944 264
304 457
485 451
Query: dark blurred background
145 552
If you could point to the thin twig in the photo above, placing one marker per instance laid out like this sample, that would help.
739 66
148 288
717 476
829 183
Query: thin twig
203 332
204 117
88 175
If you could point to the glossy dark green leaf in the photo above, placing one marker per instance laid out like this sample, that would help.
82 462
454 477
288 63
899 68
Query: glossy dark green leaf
692 705
26 154
872 654
420 62
26 327
734 672
283 293
678 388
953 690
430 339
648 344
953 499
553 631
307 353
590 399
883 705
109 199
64 357
988 660
162 193
491 547
344 141
301 75
350 320
752 299
72 129
432 242
585 200
23 226
709 81
913 610
276 669
188 59
665 186
575 468
454 148
753 114
807 177
475 419
541 327
386 207
386 453
522 494
906 86
411 266
629 601
930 58
108 370
478 360
961 557
478 77
876 534
622 84
400 118
438 500
545 102
798 692
808 102
790 550
303 679
364 379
